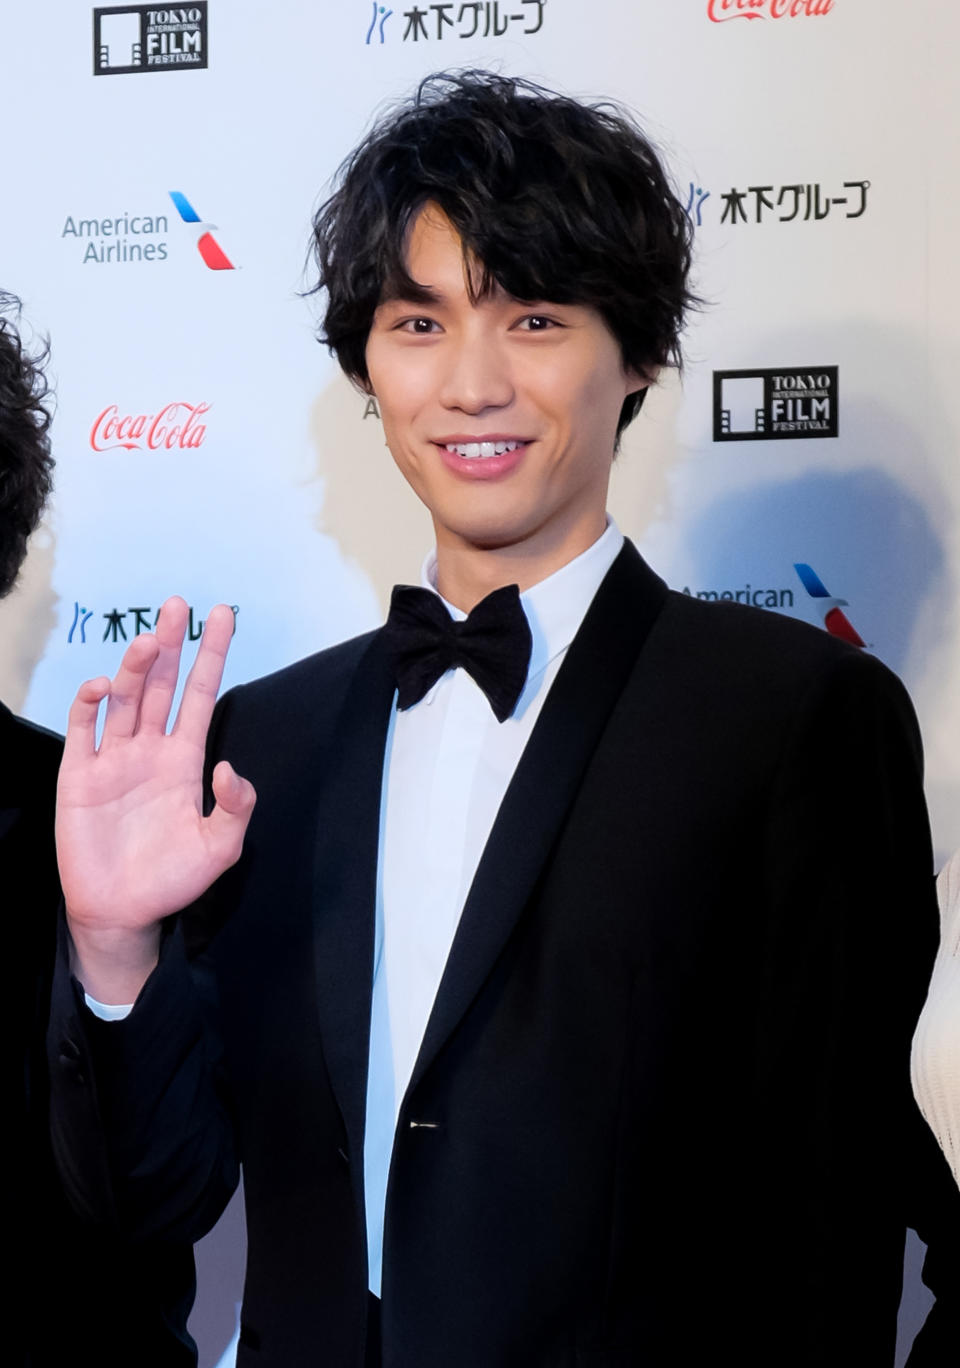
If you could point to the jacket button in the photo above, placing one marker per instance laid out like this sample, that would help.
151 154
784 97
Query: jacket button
72 1070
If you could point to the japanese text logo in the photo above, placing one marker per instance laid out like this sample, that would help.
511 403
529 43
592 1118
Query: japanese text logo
121 624
456 19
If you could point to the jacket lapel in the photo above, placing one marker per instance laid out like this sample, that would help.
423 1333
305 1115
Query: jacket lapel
588 684
346 883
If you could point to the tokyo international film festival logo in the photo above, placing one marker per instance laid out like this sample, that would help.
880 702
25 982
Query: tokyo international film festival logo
764 405
133 38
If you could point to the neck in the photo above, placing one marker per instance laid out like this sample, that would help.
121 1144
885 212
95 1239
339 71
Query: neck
467 573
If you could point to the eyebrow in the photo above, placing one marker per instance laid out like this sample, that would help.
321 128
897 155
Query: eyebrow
411 293
415 293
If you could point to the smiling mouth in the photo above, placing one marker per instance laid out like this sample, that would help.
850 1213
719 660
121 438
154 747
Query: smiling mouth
481 451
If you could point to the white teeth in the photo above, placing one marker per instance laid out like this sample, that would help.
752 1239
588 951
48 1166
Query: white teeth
474 451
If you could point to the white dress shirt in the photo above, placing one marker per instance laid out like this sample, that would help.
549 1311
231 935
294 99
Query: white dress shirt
447 766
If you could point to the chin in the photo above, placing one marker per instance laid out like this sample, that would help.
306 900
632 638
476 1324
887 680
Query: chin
490 533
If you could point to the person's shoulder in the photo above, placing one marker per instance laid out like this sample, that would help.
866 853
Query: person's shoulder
334 663
746 658
319 681
31 753
767 640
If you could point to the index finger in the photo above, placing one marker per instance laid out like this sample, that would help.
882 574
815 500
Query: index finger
203 681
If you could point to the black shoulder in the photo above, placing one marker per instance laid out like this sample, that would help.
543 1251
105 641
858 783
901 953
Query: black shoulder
325 675
758 632
292 708
31 756
734 652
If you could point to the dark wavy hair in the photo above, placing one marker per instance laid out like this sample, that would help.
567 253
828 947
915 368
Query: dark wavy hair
26 465
553 199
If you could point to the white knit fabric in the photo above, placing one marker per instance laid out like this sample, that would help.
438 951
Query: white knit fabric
935 1062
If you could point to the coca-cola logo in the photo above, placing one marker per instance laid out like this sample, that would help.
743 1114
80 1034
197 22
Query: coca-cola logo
176 426
719 11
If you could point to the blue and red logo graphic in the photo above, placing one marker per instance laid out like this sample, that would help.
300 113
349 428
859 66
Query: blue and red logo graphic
207 245
834 619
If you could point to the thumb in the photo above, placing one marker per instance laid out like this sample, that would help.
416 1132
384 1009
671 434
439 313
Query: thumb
235 799
235 795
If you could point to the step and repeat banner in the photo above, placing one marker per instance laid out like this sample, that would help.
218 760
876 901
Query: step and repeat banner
161 167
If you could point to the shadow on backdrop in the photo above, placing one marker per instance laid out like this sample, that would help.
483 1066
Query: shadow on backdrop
28 616
368 508
869 539
872 542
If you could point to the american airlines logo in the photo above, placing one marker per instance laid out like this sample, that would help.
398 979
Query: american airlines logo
829 607
209 248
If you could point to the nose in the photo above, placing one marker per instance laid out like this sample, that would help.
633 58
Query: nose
477 375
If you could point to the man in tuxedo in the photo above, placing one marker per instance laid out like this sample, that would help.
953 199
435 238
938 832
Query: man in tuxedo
552 969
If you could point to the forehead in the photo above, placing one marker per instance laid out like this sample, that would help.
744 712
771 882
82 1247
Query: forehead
436 260
442 271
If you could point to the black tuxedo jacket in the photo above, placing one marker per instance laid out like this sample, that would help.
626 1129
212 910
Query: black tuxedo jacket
661 1111
74 1293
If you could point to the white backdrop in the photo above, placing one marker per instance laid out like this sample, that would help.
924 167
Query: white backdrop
815 142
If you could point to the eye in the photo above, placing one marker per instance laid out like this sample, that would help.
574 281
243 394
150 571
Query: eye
537 323
420 327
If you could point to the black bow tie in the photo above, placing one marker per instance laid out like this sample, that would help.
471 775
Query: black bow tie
493 645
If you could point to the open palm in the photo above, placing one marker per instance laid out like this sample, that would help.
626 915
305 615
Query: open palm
132 841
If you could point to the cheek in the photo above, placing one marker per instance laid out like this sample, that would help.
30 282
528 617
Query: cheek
398 435
609 389
591 403
581 383
400 391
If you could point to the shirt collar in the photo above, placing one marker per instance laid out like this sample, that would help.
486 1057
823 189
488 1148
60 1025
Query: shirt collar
557 605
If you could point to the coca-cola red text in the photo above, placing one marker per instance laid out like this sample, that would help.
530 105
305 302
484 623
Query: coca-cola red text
176 425
719 11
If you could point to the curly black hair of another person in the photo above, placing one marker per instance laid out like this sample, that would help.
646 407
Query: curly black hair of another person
26 465
553 199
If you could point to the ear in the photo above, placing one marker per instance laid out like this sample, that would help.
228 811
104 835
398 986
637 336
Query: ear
638 380
362 386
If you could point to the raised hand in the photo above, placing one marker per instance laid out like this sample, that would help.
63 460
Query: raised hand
132 842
